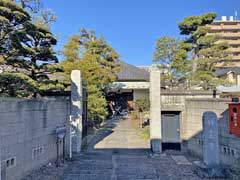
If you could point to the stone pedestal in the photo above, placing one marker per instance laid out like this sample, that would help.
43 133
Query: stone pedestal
76 111
155 110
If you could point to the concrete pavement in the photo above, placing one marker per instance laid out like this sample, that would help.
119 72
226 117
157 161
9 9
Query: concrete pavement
118 153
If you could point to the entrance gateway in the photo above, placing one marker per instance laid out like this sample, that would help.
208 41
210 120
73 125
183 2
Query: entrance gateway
171 130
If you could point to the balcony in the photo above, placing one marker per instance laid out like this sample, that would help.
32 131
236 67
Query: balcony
225 27
234 46
237 35
235 58
235 49
217 22
230 42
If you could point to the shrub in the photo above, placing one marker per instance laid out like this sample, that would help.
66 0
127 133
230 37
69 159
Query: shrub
16 85
134 115
142 104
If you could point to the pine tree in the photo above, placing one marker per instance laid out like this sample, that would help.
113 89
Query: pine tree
98 64
206 52
195 27
35 46
171 53
24 43
12 19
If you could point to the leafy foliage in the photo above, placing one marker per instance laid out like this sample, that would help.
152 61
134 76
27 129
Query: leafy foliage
71 49
171 53
12 19
16 85
197 68
206 53
142 104
40 15
24 45
98 64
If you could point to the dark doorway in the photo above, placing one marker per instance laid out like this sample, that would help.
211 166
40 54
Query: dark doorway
171 146
171 130
122 101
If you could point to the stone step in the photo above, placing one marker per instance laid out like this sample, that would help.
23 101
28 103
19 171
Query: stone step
88 168
138 177
96 153
87 177
131 151
94 171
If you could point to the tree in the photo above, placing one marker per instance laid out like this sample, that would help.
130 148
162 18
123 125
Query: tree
23 43
33 6
98 63
36 45
38 40
195 27
12 19
71 49
101 55
206 52
210 56
44 17
172 55
16 85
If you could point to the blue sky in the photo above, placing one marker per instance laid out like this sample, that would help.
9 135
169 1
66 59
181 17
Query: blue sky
131 26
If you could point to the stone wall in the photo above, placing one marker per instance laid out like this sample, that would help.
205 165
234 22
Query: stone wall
176 101
27 132
229 144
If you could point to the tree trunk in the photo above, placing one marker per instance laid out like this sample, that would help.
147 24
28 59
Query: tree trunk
195 58
33 69
23 4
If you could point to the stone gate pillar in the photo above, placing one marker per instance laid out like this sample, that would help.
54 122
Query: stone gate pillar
76 111
155 110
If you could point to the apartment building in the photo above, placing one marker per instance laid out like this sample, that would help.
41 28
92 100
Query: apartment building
229 30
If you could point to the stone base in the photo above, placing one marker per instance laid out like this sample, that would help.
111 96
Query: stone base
156 146
210 172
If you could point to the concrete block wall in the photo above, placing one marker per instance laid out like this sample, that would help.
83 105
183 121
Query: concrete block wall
176 101
27 133
229 144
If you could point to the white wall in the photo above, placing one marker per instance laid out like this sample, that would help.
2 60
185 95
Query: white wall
137 93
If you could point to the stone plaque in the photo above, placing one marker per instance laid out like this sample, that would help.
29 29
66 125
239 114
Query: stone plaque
210 140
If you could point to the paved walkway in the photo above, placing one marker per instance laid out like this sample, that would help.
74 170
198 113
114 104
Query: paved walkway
118 153
119 134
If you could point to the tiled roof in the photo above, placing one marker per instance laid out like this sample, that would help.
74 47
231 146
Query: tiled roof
130 72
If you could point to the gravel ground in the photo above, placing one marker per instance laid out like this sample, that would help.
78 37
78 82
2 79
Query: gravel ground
48 172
